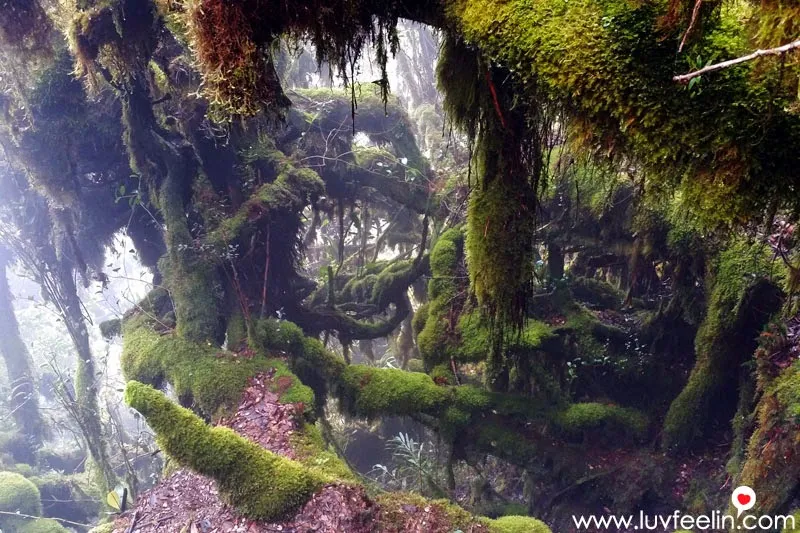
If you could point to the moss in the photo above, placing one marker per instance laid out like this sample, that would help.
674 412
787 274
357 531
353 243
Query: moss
442 375
607 51
612 421
292 189
236 332
42 525
23 469
436 334
517 524
793 528
392 279
514 509
772 464
211 378
110 328
103 528
358 289
394 509
420 318
371 391
499 246
260 484
506 443
742 299
597 293
312 451
17 495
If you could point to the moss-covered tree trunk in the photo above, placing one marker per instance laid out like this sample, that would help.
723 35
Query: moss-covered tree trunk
742 300
24 402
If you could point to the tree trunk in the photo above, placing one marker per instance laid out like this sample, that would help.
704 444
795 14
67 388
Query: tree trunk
87 409
24 402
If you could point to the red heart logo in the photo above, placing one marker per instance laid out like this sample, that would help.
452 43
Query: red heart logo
744 499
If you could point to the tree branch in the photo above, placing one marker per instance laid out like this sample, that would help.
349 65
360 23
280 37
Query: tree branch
683 78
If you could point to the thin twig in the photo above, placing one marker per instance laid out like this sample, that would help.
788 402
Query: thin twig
20 515
683 78
692 22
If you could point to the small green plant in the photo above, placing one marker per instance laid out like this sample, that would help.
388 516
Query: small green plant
415 466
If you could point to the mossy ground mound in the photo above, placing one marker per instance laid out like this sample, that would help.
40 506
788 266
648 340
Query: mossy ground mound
17 495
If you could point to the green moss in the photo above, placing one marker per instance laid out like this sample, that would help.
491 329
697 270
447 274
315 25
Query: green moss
613 421
420 318
434 336
292 189
393 506
236 331
42 525
371 391
211 378
597 293
499 245
772 464
742 299
390 281
110 328
260 484
311 450
17 495
23 469
103 528
793 528
506 443
358 289
607 52
515 509
442 375
68 496
517 524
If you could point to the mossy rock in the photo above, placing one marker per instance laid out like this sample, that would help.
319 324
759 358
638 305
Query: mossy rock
260 484
17 495
42 525
517 524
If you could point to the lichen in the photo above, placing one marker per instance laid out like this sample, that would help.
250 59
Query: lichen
260 484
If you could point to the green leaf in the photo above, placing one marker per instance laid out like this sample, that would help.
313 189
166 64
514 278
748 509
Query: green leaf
113 500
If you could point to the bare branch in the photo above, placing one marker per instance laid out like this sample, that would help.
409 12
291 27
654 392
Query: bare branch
683 78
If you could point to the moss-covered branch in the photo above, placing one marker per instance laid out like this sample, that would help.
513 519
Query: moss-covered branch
259 483
209 378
